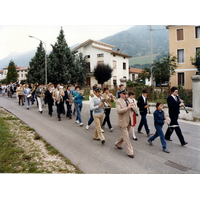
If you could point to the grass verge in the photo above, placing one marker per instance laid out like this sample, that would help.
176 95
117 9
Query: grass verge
22 150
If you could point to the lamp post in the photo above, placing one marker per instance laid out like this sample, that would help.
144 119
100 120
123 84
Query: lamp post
45 57
151 55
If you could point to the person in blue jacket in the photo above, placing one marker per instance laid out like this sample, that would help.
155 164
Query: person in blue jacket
159 120
78 98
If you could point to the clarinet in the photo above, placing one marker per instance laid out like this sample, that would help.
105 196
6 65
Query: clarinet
184 106
132 108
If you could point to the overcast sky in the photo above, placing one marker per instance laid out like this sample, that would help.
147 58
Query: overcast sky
14 38
81 20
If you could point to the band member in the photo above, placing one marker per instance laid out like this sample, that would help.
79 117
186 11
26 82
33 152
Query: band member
143 105
49 99
58 95
96 105
91 111
159 120
174 104
131 99
33 94
26 92
78 98
109 99
17 91
20 95
39 95
121 88
69 98
124 122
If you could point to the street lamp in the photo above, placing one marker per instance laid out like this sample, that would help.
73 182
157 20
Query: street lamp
45 57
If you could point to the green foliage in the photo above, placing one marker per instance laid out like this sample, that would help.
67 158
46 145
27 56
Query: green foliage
196 61
61 65
12 73
36 72
185 95
80 70
102 73
163 68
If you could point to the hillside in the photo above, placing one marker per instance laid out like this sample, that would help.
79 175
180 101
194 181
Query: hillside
136 40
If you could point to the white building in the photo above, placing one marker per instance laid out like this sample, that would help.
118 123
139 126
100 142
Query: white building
2 75
101 53
22 71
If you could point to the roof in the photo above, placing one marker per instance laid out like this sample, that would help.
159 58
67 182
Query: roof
114 52
15 67
86 43
135 70
18 68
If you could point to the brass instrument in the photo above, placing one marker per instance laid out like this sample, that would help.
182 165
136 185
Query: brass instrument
65 88
21 90
34 87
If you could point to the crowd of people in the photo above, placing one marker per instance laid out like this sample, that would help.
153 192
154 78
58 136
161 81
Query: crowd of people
100 108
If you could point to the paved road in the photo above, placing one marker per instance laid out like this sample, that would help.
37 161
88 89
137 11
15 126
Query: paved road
76 144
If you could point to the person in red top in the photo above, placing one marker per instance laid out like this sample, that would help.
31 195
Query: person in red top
131 99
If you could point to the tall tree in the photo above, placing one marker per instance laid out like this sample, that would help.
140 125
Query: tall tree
102 73
36 72
12 73
61 62
80 70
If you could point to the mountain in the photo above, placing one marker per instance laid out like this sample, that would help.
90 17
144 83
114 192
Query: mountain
20 59
136 40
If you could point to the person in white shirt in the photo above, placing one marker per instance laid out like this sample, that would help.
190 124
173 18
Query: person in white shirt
26 92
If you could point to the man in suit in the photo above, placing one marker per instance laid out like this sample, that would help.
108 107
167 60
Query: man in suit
58 95
124 122
26 92
143 105
68 98
49 99
174 104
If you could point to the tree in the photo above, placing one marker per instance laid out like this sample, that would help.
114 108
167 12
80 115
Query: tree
164 68
196 61
36 72
61 65
80 69
146 74
102 73
12 73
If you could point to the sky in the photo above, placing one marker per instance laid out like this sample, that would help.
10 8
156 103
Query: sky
15 38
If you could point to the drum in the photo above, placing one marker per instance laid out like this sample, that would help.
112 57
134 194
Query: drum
29 96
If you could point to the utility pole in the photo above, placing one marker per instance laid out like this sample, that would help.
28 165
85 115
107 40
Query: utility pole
151 55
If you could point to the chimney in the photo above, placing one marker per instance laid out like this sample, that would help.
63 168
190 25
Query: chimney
118 50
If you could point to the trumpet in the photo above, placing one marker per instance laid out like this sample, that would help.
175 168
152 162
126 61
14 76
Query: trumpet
114 97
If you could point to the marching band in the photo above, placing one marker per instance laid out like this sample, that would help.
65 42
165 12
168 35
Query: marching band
100 104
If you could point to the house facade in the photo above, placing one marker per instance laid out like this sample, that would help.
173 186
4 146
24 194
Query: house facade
101 53
184 42
22 71
133 75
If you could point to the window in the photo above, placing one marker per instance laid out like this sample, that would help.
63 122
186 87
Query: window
180 55
114 64
179 33
88 67
124 66
87 56
181 79
197 32
100 62
100 55
197 50
21 75
133 77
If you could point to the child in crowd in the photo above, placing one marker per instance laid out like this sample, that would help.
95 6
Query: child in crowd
159 120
